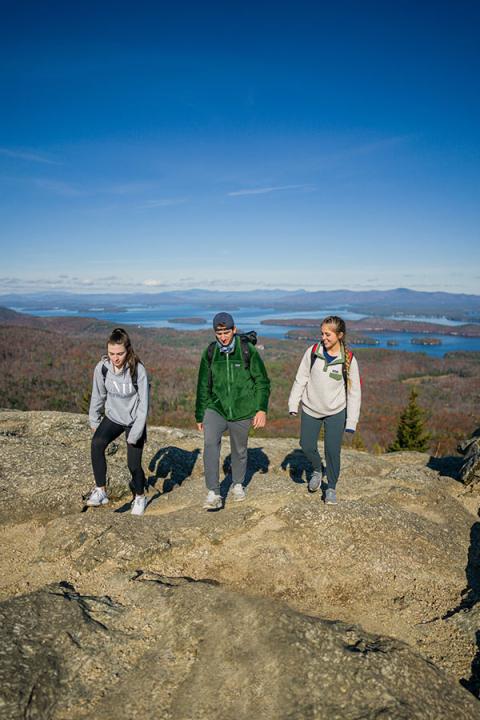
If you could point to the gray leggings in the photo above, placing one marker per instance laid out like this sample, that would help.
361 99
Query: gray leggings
310 430
214 425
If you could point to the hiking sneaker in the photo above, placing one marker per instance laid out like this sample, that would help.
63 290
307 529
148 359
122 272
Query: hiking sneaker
238 492
212 501
315 481
139 505
97 497
330 497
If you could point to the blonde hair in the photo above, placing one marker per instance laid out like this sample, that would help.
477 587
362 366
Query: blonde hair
339 327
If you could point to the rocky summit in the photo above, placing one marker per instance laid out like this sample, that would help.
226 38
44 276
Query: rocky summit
276 607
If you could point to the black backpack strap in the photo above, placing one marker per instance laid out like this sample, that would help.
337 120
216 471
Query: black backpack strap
245 351
210 351
134 376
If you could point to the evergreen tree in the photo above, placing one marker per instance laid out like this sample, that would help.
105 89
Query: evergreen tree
358 442
411 433
85 401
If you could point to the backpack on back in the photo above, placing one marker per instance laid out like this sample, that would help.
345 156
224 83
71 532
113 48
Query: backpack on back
245 339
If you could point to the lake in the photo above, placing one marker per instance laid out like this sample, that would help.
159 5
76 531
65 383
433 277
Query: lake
250 318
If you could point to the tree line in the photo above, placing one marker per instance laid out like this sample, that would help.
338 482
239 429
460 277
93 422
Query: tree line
51 367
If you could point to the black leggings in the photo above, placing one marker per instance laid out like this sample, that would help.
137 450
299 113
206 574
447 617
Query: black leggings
104 434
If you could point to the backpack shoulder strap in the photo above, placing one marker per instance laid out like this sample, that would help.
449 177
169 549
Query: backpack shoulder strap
313 356
245 351
135 378
210 352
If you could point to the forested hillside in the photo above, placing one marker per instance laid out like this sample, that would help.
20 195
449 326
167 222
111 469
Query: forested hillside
49 366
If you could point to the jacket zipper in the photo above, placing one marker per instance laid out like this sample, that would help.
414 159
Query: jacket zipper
228 387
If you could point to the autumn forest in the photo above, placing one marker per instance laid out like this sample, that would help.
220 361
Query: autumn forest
47 364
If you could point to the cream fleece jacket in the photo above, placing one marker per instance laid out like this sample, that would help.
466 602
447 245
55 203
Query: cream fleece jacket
322 391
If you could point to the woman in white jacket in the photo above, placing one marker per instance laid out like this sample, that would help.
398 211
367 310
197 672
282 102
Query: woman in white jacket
327 386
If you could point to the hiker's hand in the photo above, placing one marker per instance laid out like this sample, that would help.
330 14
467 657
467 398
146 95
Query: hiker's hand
349 430
260 420
200 427
293 413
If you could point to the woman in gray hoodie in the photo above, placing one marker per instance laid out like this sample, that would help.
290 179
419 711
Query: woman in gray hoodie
327 386
119 404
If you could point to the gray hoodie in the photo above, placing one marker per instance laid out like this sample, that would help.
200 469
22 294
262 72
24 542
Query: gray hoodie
116 397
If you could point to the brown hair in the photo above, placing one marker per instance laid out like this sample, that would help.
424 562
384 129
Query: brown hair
340 327
119 336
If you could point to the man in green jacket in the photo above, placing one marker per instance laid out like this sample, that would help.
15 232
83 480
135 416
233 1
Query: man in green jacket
233 397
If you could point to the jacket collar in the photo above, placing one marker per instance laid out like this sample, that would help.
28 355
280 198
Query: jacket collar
320 352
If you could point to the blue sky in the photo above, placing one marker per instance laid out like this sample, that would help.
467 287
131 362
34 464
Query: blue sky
299 144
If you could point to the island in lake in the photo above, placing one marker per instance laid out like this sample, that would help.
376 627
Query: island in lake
188 320
312 337
426 341
376 324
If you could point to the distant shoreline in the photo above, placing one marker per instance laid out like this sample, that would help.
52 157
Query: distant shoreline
188 320
372 325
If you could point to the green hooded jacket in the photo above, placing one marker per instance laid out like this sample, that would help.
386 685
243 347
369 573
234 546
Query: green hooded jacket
236 393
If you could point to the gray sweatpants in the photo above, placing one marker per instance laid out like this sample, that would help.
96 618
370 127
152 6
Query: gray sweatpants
214 425
310 430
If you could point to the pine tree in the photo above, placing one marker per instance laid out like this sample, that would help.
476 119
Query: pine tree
411 433
85 401
358 442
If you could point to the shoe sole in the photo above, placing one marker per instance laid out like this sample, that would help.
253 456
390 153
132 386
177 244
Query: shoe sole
239 499
331 502
212 507
314 489
104 502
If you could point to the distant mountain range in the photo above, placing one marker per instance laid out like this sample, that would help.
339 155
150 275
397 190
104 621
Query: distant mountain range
400 301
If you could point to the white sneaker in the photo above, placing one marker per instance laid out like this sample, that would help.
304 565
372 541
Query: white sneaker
238 492
139 505
97 497
212 501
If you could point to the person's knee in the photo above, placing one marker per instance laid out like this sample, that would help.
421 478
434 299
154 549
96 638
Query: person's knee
99 444
136 471
212 442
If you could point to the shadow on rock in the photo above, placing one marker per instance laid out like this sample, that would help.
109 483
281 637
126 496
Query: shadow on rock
448 466
257 461
297 465
173 465
467 611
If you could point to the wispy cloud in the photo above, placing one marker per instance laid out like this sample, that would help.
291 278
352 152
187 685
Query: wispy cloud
162 202
58 187
129 188
267 190
28 156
